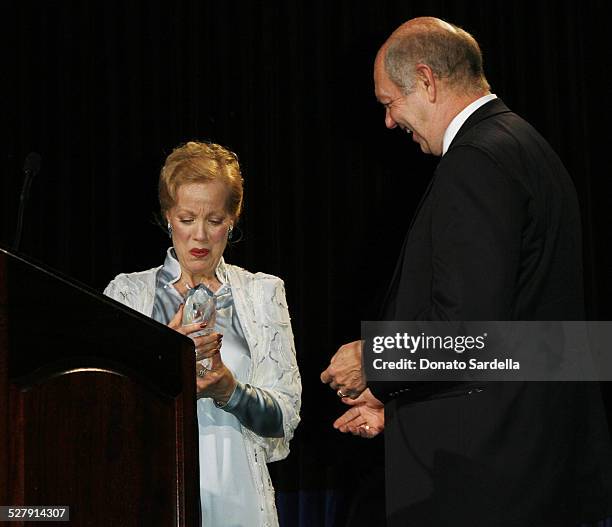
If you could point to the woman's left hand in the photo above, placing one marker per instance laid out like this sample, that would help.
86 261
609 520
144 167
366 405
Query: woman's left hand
217 383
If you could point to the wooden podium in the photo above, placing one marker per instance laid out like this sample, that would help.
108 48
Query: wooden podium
97 405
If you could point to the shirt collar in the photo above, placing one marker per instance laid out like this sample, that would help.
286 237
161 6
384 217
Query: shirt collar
173 268
461 117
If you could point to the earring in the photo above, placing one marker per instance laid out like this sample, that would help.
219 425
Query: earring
169 229
229 233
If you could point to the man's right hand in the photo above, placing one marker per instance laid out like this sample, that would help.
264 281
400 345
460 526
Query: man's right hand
366 418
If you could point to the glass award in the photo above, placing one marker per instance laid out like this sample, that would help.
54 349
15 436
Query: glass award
200 307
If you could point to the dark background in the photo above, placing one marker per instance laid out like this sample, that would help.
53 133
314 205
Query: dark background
105 90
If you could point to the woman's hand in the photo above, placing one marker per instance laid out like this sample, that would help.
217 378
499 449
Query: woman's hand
366 418
218 381
206 345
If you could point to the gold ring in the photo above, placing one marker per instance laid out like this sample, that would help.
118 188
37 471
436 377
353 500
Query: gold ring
201 372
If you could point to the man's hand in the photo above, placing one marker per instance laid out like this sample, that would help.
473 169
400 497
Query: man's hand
344 372
366 418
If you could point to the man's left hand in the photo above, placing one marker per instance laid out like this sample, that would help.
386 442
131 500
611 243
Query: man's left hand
344 373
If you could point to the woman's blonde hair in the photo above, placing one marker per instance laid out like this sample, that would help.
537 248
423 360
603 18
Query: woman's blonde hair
196 162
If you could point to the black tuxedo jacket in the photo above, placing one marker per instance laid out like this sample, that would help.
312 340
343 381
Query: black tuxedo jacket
496 237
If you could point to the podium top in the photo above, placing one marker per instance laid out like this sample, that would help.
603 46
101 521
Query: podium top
42 311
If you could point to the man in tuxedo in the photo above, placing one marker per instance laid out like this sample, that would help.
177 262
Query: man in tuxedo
496 236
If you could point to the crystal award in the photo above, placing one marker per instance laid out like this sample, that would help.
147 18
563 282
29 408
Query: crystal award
200 307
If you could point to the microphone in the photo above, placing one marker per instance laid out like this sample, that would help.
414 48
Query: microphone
32 163
31 167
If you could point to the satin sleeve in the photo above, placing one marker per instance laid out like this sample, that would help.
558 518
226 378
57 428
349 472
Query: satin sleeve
256 409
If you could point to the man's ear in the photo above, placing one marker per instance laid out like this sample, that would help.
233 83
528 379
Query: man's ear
426 80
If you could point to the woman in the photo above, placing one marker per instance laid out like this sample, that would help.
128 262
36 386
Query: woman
249 400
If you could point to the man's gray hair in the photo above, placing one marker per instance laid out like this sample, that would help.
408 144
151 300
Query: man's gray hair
451 53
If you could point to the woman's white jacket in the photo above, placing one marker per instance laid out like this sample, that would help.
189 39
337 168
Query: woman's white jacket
260 303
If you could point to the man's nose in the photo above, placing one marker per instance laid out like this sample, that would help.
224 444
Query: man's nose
389 122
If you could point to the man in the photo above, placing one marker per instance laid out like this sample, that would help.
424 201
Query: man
495 237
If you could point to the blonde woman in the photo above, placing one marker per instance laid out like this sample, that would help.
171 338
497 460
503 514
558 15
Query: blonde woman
248 402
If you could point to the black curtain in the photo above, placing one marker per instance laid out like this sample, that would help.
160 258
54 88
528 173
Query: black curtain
104 91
